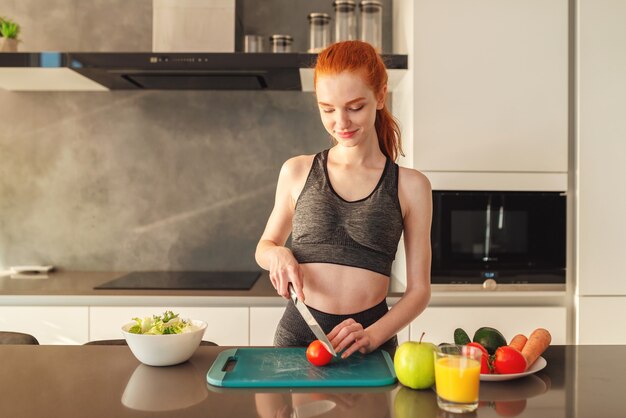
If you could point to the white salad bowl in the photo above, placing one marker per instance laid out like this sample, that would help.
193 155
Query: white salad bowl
166 349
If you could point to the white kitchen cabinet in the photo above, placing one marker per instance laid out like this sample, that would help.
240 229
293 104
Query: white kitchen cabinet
600 172
601 319
49 324
263 322
439 323
226 325
398 268
601 148
490 86
404 334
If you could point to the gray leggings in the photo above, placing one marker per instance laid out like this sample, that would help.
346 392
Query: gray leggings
292 330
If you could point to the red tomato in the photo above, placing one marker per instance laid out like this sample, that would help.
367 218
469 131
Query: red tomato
480 346
509 360
484 358
317 354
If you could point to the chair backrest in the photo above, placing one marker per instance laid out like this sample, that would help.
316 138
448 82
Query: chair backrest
8 337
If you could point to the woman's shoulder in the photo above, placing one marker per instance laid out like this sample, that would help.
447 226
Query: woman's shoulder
297 167
413 180
414 191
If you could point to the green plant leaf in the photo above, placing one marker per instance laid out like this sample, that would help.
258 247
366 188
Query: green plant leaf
9 29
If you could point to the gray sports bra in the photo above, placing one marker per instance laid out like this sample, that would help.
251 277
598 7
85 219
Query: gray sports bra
362 233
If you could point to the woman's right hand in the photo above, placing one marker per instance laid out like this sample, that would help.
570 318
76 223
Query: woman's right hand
284 269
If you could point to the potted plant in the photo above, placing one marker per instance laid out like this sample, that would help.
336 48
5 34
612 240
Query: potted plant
8 35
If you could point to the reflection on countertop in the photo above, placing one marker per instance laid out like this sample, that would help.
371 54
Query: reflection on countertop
164 388
103 381
340 405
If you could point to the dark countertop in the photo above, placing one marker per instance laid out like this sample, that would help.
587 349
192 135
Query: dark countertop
77 288
82 283
107 381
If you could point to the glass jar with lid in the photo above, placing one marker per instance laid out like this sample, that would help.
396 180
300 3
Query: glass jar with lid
372 23
345 20
319 31
253 43
281 43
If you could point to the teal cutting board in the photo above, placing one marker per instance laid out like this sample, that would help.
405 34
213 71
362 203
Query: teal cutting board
288 367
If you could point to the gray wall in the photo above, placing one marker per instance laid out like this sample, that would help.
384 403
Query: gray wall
143 180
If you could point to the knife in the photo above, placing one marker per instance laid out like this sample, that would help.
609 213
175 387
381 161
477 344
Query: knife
310 321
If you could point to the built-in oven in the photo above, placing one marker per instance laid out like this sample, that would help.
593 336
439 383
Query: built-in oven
497 238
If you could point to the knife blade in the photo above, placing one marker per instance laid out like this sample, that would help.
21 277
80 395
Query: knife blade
310 321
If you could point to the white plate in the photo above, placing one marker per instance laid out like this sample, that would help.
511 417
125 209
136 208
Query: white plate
539 364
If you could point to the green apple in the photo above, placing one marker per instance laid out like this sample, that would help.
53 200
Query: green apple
414 363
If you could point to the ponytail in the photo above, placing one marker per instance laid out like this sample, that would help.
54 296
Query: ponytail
388 131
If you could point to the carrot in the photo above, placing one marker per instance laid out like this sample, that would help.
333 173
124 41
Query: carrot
537 343
518 342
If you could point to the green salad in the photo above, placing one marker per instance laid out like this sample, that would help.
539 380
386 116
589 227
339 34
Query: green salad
168 323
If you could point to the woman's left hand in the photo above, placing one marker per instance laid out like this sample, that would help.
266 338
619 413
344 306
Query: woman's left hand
350 336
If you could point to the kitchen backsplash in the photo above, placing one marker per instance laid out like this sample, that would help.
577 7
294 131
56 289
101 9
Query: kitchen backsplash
143 180
149 180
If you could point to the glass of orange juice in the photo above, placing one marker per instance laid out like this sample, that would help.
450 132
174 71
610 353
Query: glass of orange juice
457 377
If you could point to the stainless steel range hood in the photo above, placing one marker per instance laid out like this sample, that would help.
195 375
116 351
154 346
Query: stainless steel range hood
102 71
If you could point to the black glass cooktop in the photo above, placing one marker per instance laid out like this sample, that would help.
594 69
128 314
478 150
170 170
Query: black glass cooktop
184 280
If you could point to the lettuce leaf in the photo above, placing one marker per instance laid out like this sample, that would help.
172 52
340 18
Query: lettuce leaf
168 323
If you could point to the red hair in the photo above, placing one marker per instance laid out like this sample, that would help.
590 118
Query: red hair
361 57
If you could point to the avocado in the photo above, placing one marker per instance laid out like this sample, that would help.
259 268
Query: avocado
461 337
490 338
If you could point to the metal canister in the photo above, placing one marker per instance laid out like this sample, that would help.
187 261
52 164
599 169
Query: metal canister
319 31
253 43
372 23
281 43
345 20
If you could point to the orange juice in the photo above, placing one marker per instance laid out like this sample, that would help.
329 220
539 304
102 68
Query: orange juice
457 379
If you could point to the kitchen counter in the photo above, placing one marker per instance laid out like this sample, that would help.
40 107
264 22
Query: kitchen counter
76 288
106 381
75 312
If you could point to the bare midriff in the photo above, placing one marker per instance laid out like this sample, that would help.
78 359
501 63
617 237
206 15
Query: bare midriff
342 290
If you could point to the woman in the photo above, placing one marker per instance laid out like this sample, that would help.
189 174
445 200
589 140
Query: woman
346 209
